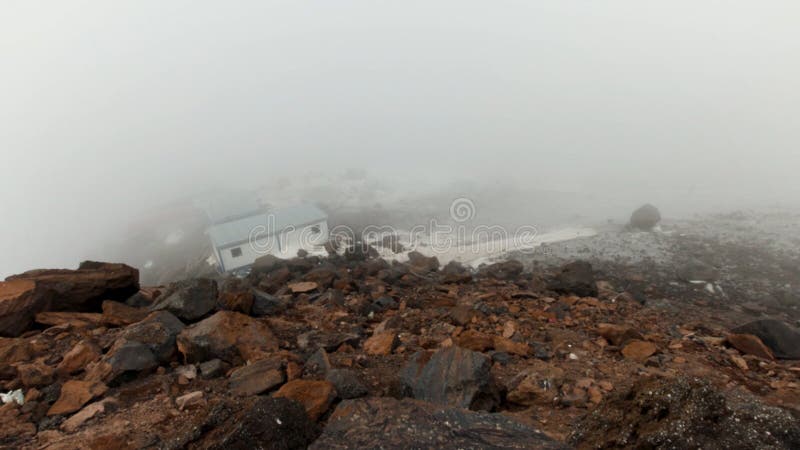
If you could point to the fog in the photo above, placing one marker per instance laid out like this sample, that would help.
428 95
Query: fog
108 109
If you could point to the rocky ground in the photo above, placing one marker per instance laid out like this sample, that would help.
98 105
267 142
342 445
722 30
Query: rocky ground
680 338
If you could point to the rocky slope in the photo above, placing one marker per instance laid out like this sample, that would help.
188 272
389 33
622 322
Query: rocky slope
351 351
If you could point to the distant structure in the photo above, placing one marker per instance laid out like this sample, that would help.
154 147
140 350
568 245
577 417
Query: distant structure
243 231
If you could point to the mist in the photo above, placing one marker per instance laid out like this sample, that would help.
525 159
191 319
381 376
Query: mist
109 109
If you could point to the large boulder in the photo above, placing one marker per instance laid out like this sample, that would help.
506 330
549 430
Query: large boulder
270 423
782 339
229 336
85 289
685 413
576 278
20 301
452 376
189 300
387 423
645 218
158 331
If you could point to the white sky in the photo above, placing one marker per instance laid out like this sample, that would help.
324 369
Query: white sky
109 106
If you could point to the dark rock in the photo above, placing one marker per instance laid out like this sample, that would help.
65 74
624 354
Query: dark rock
235 294
645 218
327 340
387 423
158 331
575 278
267 305
266 264
270 423
189 300
452 376
275 280
781 338
421 263
697 270
318 364
455 272
212 369
129 356
347 383
323 276
383 303
505 270
258 377
685 413
360 251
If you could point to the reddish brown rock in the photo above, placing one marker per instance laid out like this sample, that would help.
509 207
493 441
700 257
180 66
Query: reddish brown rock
639 350
475 341
87 413
303 287
20 301
75 394
35 374
750 344
120 314
617 334
73 319
85 288
79 357
502 344
229 336
381 344
315 396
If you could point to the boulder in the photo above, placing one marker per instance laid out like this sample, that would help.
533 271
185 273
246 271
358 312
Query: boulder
229 336
781 338
645 218
575 278
390 424
189 300
269 423
20 301
315 396
257 377
452 376
84 289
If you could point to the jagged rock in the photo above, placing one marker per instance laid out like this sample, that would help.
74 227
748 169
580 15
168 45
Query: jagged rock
455 272
229 336
79 357
452 376
270 423
266 264
347 383
84 289
20 301
257 377
750 344
782 339
422 263
75 394
120 314
329 341
318 363
315 396
124 356
685 413
73 319
189 300
381 344
387 423
88 412
645 218
267 305
236 295
158 331
575 278
505 270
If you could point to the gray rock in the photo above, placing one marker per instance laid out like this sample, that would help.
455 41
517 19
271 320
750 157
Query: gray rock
452 376
387 423
575 278
266 305
158 332
212 369
645 218
347 383
190 300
